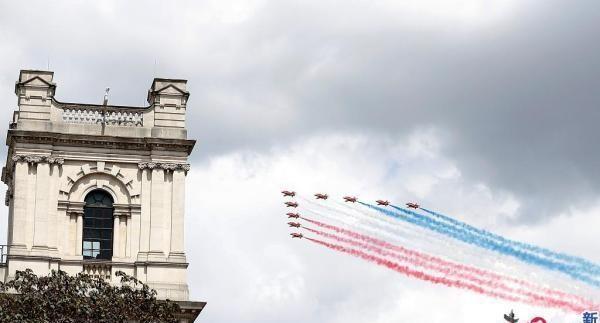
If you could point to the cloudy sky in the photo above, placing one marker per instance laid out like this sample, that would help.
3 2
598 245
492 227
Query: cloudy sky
487 110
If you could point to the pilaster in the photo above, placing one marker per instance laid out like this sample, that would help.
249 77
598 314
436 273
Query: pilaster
40 224
177 253
144 227
116 238
20 203
157 214
79 235
55 225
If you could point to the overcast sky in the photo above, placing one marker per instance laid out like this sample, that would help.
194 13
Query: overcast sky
487 110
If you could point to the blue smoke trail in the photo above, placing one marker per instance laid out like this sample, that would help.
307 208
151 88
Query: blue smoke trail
420 220
583 264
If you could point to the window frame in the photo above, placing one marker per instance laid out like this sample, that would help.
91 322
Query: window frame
98 232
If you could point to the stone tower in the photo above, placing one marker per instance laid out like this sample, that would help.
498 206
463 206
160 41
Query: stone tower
99 188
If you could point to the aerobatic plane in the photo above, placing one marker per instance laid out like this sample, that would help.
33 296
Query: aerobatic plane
411 205
291 204
352 199
382 202
293 215
511 317
321 196
296 235
294 224
288 193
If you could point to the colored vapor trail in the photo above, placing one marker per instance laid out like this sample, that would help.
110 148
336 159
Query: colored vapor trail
422 275
503 285
434 247
582 264
483 242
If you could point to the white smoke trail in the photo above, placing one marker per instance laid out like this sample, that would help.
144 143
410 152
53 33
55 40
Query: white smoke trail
363 219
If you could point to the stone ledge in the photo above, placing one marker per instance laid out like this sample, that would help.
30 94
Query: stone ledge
98 141
189 310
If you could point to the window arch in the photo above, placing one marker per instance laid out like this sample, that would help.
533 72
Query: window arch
98 225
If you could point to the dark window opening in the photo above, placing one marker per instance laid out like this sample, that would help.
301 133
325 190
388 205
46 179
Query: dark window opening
98 226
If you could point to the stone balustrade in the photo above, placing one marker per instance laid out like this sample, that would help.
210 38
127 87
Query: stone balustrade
98 114
98 270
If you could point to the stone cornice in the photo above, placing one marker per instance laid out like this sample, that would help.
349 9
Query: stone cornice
36 159
109 142
165 166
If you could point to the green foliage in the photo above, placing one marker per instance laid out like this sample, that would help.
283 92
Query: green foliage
81 298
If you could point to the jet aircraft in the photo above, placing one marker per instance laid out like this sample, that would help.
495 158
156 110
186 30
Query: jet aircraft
296 235
291 204
352 199
294 224
293 215
411 205
382 202
321 196
288 193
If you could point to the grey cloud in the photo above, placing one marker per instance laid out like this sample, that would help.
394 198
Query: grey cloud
517 98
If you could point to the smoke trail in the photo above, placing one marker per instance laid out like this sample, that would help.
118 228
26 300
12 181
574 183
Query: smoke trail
411 257
390 229
368 220
584 265
535 294
427 277
433 225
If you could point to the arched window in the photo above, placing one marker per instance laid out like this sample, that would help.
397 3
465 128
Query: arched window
98 226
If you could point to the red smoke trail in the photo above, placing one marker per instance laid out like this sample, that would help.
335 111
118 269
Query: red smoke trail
387 245
412 260
451 270
410 272
568 301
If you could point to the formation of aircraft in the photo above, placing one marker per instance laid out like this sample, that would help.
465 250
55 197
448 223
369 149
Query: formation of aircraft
382 202
321 196
352 199
288 193
511 317
293 215
411 205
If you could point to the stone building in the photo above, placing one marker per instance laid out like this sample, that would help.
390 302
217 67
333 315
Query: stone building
99 188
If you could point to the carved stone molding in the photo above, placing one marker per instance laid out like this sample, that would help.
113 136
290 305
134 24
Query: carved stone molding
165 166
71 208
35 159
149 165
109 142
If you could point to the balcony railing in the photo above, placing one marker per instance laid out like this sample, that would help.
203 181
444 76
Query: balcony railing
99 270
110 116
